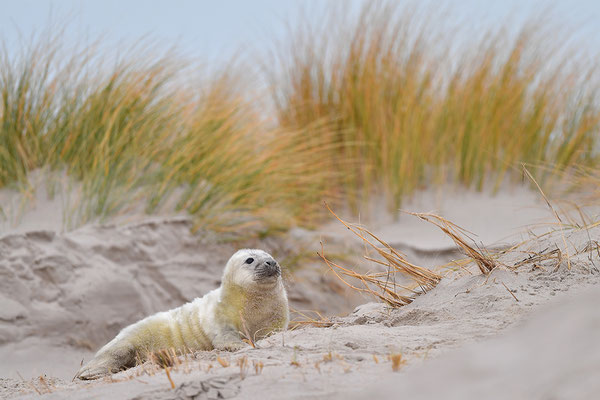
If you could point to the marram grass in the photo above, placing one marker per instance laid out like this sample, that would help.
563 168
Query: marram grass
413 107
384 101
138 133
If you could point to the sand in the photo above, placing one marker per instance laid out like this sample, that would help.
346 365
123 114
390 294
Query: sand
552 355
64 294
72 292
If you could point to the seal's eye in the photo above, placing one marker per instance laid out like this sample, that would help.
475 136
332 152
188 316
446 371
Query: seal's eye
249 260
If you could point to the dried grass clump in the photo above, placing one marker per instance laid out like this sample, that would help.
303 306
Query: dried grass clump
164 358
308 318
536 258
382 285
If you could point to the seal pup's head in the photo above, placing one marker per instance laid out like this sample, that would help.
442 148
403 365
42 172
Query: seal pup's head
252 267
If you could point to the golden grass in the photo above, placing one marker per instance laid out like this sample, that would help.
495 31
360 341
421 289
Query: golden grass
384 101
137 134
412 107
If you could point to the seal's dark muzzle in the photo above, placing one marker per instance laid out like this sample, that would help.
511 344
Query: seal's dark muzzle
268 269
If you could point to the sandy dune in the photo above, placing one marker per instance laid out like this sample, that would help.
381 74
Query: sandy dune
65 294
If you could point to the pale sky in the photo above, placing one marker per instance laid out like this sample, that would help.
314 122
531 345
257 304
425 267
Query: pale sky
207 29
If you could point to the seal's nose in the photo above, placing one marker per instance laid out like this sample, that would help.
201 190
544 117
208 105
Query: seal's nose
271 268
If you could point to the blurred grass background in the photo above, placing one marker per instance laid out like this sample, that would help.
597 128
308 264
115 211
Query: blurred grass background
384 102
416 110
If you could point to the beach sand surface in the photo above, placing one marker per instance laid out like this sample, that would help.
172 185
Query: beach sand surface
63 294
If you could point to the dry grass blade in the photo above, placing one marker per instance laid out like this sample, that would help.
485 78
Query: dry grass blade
536 258
258 366
382 285
542 193
245 334
169 377
397 361
164 358
244 366
591 246
224 363
510 291
459 235
28 383
43 382
560 222
305 318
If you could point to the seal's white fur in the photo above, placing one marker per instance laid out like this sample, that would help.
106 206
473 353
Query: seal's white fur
251 300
